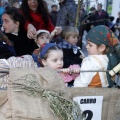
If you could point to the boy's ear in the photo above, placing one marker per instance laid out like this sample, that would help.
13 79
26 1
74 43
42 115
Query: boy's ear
102 47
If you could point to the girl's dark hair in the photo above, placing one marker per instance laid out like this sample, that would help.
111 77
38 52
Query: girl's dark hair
15 15
51 49
42 10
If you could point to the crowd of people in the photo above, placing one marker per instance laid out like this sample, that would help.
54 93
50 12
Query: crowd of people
52 40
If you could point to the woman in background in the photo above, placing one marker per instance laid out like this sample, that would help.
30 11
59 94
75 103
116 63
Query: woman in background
37 17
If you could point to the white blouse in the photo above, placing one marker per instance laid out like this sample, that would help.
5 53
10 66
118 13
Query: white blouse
92 62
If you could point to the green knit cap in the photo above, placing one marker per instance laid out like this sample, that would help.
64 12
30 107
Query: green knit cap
103 35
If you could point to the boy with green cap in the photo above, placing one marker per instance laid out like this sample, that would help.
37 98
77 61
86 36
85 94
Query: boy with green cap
104 54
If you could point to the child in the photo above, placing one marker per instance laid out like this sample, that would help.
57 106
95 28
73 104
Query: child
52 56
71 52
13 25
104 54
68 44
43 37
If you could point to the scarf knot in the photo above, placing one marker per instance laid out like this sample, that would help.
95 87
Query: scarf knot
65 44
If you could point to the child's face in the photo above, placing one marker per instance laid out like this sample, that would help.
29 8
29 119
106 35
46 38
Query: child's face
73 39
9 25
93 49
54 60
44 38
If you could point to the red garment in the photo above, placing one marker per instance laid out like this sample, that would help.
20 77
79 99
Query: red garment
38 22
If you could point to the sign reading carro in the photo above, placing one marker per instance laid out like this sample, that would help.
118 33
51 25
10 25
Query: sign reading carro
91 106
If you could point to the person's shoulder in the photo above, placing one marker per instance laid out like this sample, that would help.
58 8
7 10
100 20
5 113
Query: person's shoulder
90 57
71 5
94 60
22 31
88 63
103 11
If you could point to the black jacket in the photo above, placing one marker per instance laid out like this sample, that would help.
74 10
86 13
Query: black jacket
70 58
100 19
22 44
53 17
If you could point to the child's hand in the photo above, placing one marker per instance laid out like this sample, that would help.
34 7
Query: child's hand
82 57
58 30
53 33
70 70
31 32
74 68
65 70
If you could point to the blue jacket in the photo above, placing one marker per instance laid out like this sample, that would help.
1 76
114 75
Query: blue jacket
2 10
67 13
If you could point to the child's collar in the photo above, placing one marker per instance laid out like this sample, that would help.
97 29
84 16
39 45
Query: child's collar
15 34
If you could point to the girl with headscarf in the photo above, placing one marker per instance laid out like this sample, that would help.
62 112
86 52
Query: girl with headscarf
104 54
